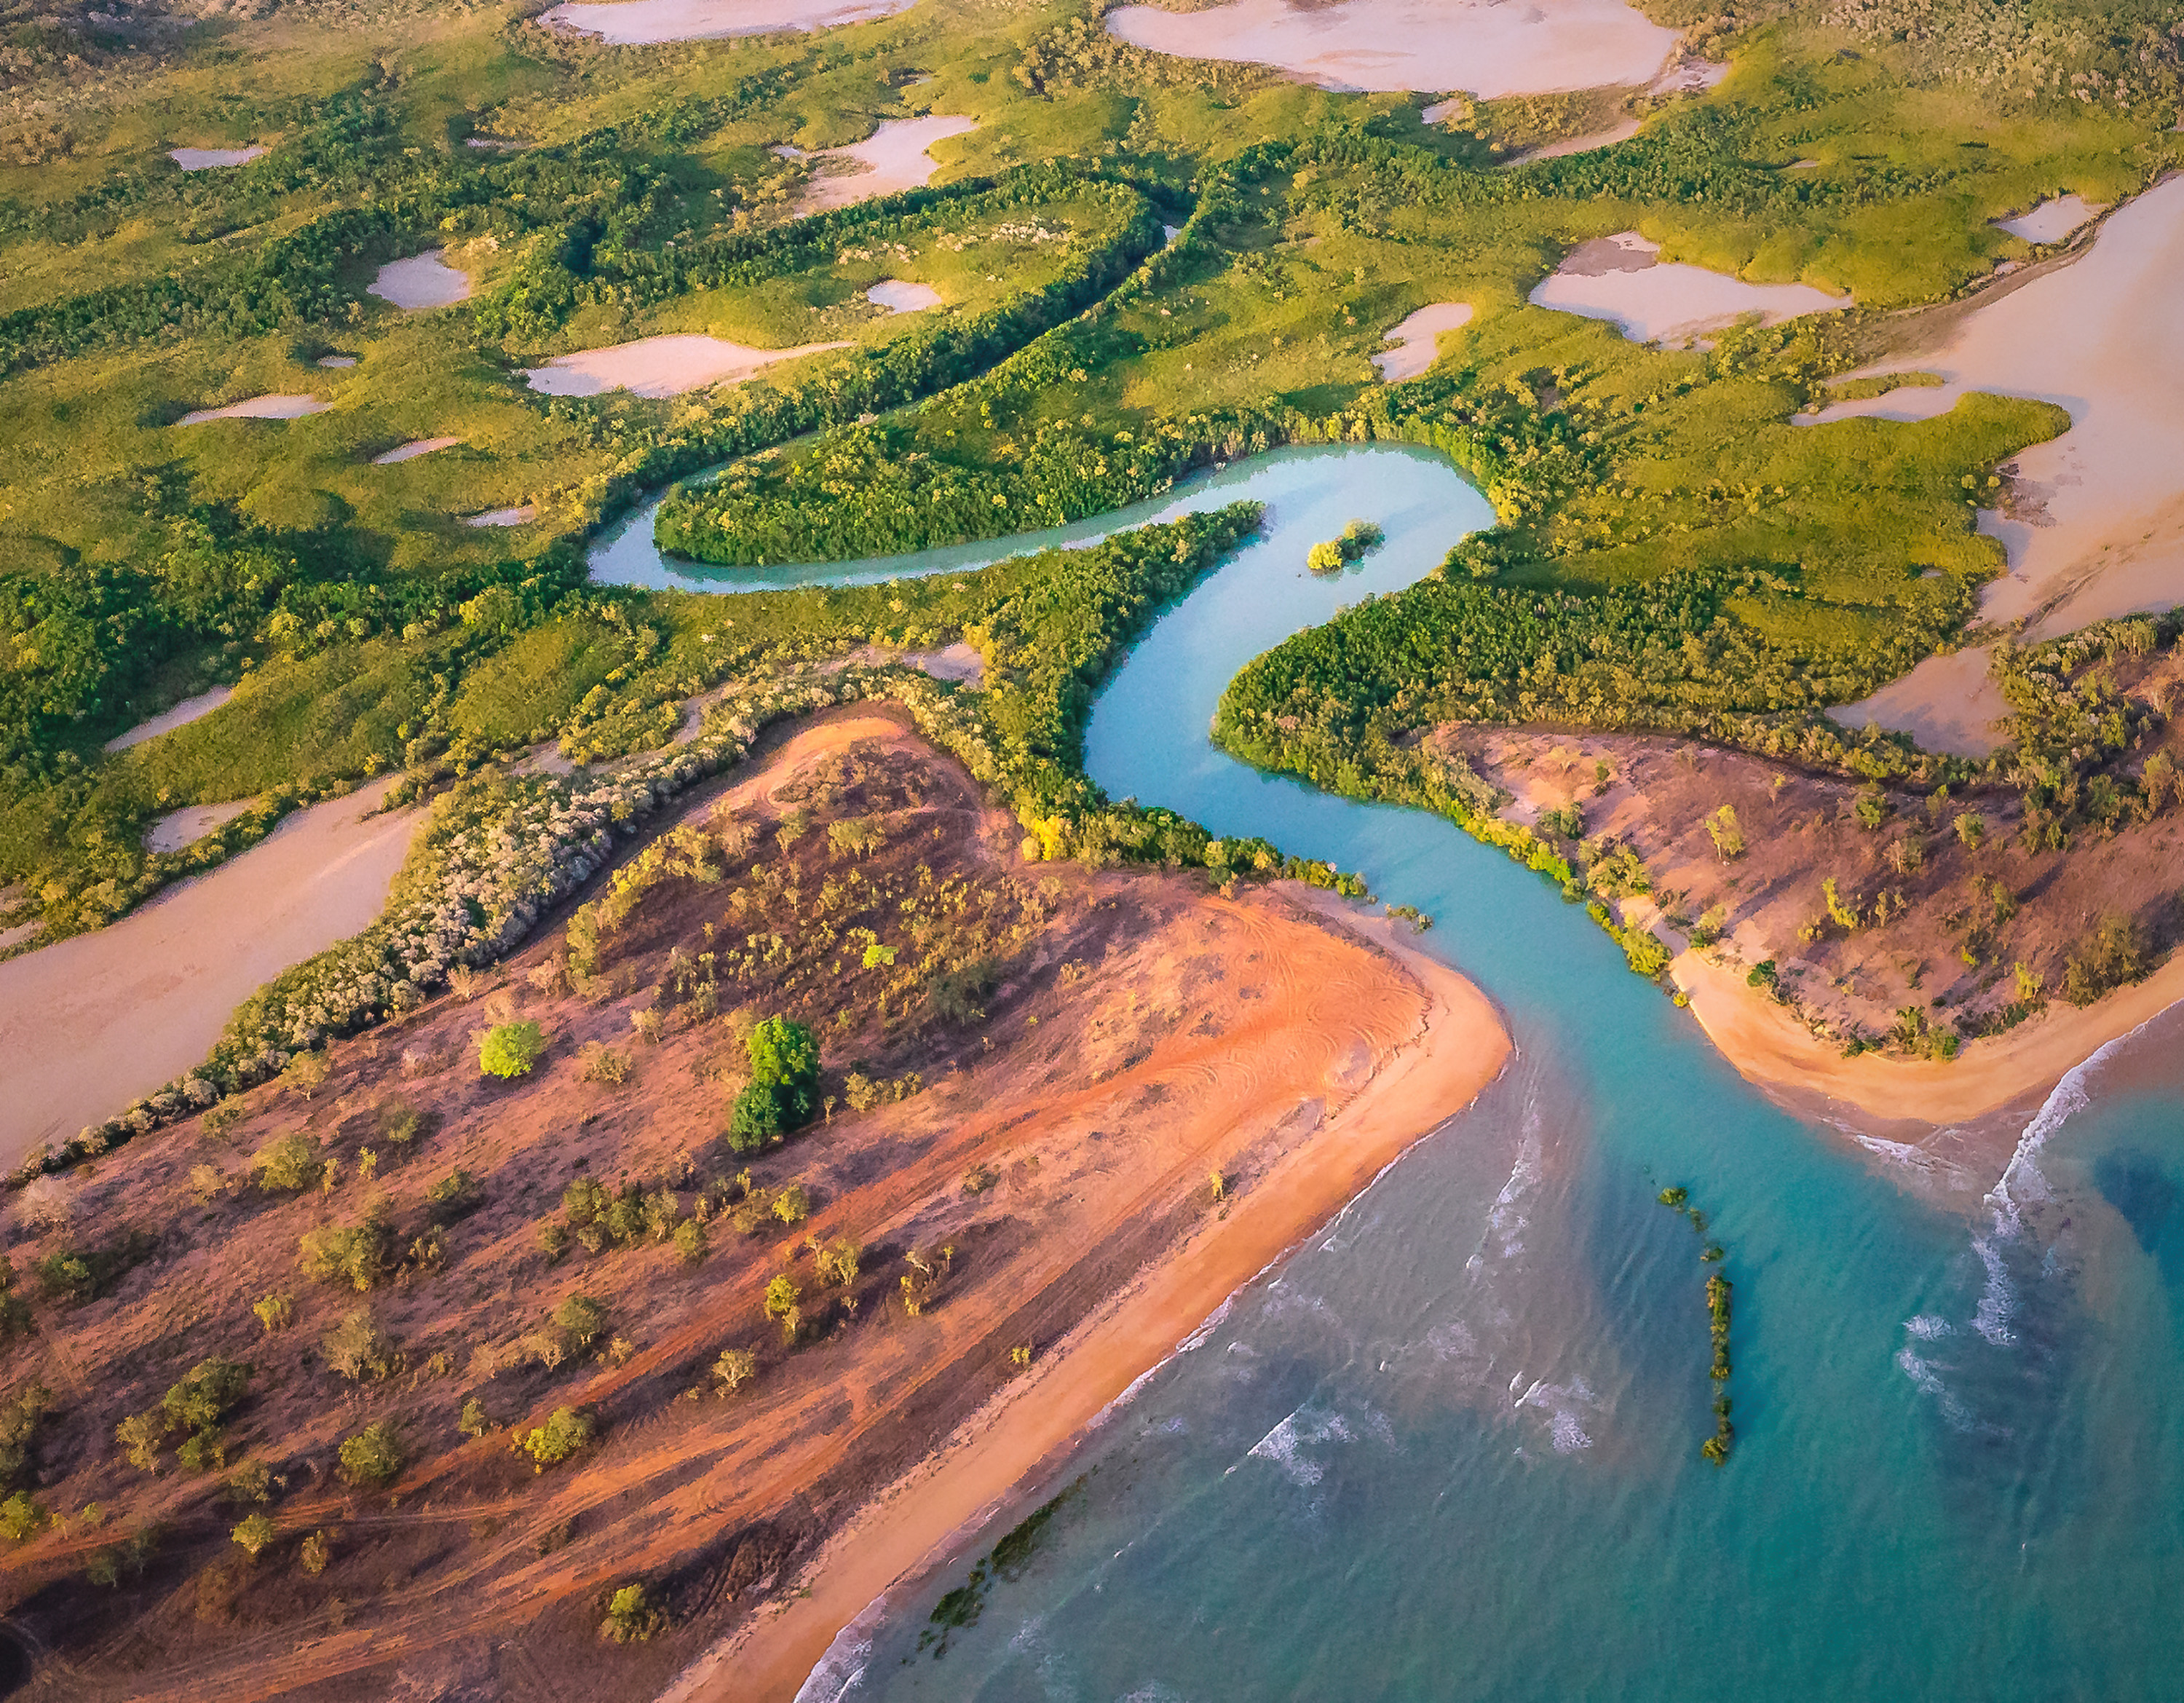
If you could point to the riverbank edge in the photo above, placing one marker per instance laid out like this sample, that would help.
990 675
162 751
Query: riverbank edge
1766 1045
915 1526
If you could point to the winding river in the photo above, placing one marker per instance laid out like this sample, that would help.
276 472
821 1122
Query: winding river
1451 1449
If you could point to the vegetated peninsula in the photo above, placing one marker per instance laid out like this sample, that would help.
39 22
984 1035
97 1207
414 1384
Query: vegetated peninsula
592 1296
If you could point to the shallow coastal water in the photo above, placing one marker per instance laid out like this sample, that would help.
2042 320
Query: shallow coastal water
1451 1447
1620 279
667 366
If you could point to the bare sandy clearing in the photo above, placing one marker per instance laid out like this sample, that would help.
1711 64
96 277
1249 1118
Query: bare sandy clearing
183 827
203 704
520 515
901 296
641 23
1576 144
2094 524
423 281
209 159
1621 279
1479 46
338 360
259 408
1948 703
892 159
660 365
2050 221
412 449
87 1025
1417 339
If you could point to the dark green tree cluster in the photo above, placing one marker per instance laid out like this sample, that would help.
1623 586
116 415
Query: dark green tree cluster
782 1094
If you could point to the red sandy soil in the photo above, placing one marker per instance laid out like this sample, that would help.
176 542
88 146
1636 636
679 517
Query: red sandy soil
1145 1033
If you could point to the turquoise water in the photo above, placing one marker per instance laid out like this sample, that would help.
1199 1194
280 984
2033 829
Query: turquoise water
1450 1449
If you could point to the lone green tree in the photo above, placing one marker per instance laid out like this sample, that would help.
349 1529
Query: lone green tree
783 1091
510 1049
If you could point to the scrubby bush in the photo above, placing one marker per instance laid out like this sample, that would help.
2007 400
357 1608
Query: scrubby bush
255 1534
564 1433
581 1318
511 1049
2109 957
735 1368
375 1456
315 1553
359 1350
631 1616
288 1164
360 1255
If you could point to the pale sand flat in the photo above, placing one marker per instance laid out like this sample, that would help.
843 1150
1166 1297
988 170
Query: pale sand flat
901 296
209 159
1619 279
412 449
1948 703
892 159
2050 221
521 515
184 827
1485 48
187 711
642 23
1575 144
423 281
1417 340
338 360
88 1024
259 408
660 365
2098 513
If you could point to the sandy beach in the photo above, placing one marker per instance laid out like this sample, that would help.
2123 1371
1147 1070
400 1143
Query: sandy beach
1459 1047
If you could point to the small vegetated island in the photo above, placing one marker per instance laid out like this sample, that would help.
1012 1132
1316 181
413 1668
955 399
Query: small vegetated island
769 1050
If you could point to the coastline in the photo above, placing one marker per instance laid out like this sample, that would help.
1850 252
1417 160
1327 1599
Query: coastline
1768 1046
1459 1047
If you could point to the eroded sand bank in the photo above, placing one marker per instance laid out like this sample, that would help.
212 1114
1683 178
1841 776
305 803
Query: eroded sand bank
1417 339
2096 527
2052 220
423 281
412 449
90 1023
1483 47
1621 279
660 365
270 407
892 159
1948 703
641 23
1457 1050
1576 144
191 823
187 711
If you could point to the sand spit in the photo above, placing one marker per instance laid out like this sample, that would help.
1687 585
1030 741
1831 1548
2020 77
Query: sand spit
86 1024
901 296
892 159
2050 221
185 826
2094 526
259 408
423 281
1620 278
1457 1049
521 515
1487 49
1417 340
412 449
660 365
644 22
1948 703
1575 144
203 704
209 159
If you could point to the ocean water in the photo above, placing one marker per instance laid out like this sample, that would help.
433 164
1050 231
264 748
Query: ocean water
1450 1448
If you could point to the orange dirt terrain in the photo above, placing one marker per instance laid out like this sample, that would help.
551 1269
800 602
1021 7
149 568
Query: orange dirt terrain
540 1302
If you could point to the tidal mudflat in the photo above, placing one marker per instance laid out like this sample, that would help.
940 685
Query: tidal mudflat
1948 703
191 823
202 704
644 22
518 514
892 159
901 296
660 365
412 449
2093 521
270 407
1576 144
1417 339
2052 220
422 281
1487 49
89 1024
1621 278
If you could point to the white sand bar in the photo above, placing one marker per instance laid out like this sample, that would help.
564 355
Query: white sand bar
1949 703
89 1024
1620 278
191 823
641 23
2050 221
521 515
187 711
207 159
660 365
892 159
2097 522
412 449
259 408
1417 340
1484 46
423 281
1576 144
901 296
